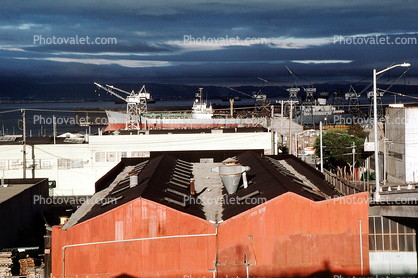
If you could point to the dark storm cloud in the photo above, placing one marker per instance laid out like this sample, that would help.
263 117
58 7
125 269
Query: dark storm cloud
150 38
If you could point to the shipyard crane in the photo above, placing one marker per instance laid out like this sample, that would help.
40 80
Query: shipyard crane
370 94
293 97
259 99
353 102
310 90
307 106
337 100
136 104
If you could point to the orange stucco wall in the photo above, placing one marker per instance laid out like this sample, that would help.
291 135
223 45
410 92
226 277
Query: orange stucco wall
291 235
138 219
287 236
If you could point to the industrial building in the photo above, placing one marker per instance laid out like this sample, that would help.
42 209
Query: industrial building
91 157
22 222
20 217
399 145
178 214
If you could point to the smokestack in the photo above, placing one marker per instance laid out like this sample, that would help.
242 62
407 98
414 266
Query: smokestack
192 190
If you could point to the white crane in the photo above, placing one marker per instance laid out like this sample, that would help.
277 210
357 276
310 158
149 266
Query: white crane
136 103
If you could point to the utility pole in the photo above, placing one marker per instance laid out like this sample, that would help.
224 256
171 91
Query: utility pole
54 126
320 141
354 157
281 123
273 133
231 107
384 161
296 145
33 161
290 127
290 122
24 142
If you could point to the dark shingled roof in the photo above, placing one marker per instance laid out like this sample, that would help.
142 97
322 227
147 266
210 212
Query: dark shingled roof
165 179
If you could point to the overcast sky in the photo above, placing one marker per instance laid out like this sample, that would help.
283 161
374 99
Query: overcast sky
204 41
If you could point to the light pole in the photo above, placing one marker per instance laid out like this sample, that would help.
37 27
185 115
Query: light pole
376 149
320 139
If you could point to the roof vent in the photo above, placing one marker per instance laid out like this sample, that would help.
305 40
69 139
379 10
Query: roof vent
133 178
230 173
2 182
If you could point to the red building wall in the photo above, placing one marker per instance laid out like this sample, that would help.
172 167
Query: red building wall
286 236
140 218
291 235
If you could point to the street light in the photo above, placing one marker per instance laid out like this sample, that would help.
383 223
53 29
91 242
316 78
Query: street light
376 150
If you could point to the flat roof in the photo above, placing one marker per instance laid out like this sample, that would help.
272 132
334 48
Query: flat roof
12 190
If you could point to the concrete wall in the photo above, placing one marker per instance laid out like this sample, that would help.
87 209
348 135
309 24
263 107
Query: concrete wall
395 131
88 162
385 263
286 236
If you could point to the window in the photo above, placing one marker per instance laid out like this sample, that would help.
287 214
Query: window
64 163
77 163
14 164
121 155
100 157
111 157
140 154
3 165
46 164
387 235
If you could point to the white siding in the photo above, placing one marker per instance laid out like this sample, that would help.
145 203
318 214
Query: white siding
411 145
76 167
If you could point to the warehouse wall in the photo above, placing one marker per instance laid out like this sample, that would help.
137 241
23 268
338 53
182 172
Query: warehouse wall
21 222
293 236
152 258
287 236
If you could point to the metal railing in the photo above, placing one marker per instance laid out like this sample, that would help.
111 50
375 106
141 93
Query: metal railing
344 187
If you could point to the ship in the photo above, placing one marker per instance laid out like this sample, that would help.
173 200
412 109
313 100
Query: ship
201 117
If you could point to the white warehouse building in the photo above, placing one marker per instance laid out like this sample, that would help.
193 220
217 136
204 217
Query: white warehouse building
70 161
